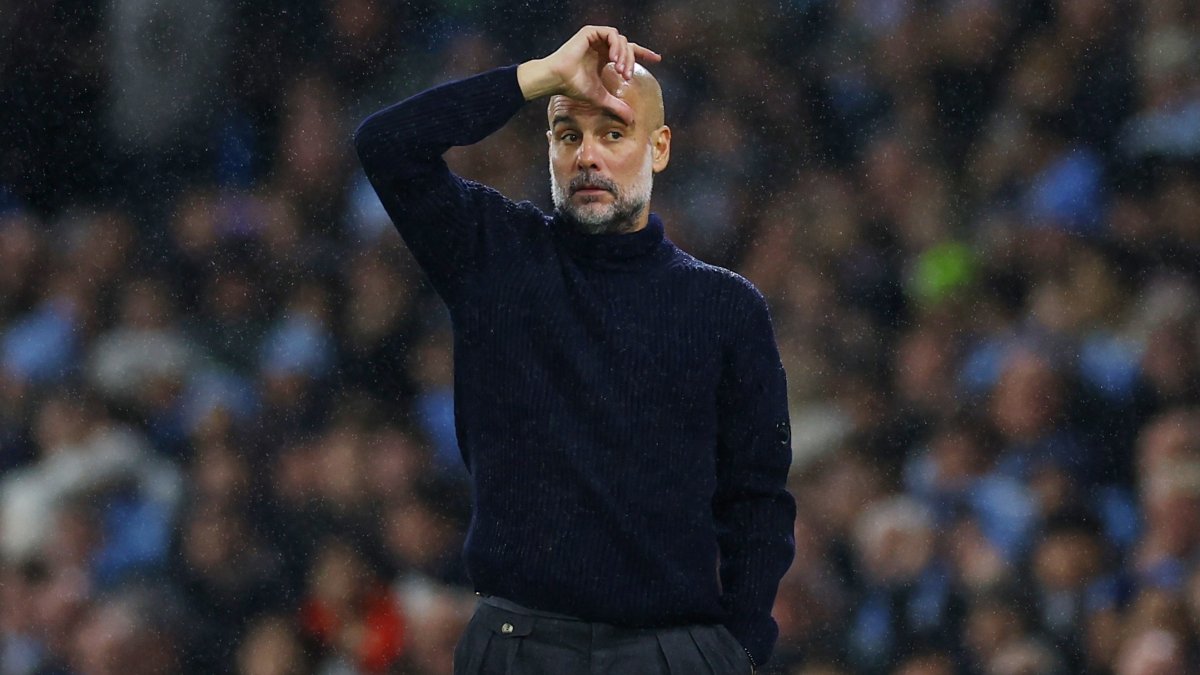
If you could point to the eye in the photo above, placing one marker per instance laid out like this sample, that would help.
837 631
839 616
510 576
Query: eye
615 135
568 137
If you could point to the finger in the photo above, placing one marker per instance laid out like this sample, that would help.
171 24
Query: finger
631 60
612 80
614 44
643 54
622 55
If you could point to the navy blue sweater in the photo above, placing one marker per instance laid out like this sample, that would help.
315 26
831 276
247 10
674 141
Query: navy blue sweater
620 405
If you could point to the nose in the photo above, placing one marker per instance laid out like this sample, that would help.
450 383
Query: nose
586 158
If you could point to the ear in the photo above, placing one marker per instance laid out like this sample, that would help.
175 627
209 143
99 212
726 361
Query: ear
549 137
660 143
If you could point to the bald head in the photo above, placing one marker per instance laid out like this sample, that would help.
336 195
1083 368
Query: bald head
642 93
649 95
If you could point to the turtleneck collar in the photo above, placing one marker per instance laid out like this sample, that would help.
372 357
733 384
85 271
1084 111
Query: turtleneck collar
615 251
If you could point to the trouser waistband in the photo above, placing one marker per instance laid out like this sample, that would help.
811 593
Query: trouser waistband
509 605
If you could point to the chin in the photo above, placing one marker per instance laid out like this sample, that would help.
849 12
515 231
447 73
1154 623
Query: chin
591 222
594 202
593 215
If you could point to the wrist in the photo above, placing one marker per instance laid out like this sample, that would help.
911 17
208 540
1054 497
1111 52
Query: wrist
536 79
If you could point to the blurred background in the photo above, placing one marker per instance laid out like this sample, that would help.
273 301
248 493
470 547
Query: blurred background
226 427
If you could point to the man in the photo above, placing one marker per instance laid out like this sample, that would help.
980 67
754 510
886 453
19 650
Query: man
620 406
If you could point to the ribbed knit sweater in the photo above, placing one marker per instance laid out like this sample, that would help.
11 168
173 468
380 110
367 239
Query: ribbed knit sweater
620 405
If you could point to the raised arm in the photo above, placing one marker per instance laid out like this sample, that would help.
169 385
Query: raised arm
438 214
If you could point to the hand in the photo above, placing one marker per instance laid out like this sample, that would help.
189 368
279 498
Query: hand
592 66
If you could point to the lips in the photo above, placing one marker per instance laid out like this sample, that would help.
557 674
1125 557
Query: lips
589 190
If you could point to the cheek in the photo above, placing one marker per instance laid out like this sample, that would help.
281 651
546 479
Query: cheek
626 169
630 162
560 163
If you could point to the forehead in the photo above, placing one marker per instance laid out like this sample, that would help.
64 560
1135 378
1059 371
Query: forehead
585 112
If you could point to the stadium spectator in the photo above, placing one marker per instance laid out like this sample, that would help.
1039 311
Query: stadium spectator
974 223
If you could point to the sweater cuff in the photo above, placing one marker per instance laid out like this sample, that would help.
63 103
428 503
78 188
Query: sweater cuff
495 91
506 82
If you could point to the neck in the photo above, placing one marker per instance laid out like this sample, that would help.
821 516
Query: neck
615 250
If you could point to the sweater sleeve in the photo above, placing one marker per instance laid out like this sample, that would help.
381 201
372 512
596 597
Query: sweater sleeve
439 215
753 510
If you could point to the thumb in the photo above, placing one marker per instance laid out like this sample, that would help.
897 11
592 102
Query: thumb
618 106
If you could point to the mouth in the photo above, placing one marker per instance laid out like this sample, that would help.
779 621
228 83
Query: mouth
591 186
591 191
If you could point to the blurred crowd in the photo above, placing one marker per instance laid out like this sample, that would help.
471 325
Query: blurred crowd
226 420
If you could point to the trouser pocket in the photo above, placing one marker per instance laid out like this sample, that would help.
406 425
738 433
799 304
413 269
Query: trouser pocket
490 643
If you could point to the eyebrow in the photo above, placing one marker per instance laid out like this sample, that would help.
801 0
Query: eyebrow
567 119
614 116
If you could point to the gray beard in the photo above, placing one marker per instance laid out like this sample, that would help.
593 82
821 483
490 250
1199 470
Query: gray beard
622 221
628 205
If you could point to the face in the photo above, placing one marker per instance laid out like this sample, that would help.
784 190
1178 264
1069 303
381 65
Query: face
601 168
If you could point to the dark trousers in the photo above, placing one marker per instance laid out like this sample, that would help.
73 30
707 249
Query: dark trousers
504 638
